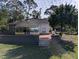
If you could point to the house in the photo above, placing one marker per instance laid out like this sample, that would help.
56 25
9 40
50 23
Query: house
39 26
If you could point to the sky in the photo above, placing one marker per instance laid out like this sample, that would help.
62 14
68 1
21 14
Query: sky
44 4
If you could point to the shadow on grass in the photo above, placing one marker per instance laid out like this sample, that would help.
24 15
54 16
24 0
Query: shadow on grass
67 45
57 47
28 52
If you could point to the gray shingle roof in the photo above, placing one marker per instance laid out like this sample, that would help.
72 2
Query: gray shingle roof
31 23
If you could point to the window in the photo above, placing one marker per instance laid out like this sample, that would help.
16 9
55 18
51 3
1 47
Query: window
34 29
44 30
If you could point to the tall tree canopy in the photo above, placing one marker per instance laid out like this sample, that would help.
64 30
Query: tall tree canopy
36 14
17 9
3 15
63 15
24 7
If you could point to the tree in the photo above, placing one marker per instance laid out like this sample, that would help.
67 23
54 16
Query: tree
36 14
53 21
29 5
3 16
63 15
17 8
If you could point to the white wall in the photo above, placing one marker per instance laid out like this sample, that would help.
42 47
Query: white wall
44 28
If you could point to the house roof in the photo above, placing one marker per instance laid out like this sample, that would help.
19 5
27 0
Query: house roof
31 23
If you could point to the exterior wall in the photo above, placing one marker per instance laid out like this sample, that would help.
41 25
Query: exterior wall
44 28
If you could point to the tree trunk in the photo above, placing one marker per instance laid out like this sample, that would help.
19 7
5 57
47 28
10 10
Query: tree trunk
61 29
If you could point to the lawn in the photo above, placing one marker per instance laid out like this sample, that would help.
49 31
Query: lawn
8 51
60 53
23 52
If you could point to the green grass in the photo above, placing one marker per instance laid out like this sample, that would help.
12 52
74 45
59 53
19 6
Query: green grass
67 55
22 52
4 48
17 33
34 52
